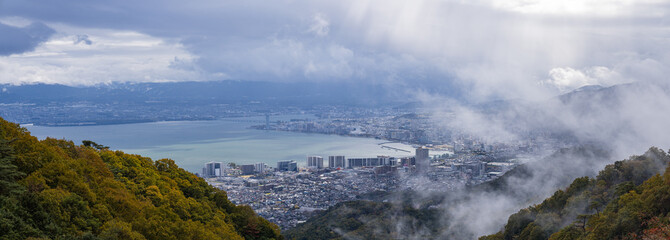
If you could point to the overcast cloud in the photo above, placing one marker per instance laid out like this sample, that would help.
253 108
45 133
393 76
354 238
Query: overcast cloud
489 49
526 50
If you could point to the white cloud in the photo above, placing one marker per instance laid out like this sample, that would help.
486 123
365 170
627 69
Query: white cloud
82 56
488 49
599 8
498 52
320 25
15 21
567 79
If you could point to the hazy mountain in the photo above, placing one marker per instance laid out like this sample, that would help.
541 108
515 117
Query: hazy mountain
298 93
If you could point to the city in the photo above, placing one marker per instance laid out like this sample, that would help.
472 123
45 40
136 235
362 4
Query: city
288 194
299 119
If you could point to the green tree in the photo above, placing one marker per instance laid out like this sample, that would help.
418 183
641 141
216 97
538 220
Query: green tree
9 174
53 189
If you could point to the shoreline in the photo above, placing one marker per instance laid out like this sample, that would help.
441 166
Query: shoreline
134 121
347 135
124 122
183 150
254 127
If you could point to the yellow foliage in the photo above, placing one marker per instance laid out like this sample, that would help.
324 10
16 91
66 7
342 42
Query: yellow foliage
78 191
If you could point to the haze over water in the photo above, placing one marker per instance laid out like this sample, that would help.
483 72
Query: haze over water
193 143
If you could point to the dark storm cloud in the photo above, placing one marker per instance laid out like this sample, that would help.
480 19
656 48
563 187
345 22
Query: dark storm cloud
22 39
489 49
515 49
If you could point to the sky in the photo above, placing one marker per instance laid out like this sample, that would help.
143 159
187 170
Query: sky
485 49
524 49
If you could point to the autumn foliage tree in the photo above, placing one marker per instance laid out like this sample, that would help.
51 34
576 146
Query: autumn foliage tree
54 189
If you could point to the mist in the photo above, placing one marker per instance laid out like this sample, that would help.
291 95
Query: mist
588 128
586 76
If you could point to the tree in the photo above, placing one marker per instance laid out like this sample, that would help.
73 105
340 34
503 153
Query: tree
89 143
9 173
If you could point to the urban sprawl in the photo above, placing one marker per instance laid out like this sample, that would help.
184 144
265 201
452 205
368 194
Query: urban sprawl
288 193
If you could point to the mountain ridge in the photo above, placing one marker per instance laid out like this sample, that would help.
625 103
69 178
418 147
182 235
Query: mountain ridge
629 199
229 91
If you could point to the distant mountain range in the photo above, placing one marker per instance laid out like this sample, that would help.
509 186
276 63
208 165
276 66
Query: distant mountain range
296 94
585 114
60 105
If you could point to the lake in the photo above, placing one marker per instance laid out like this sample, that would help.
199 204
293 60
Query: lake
193 143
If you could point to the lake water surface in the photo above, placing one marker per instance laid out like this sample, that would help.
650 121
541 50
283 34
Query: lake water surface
193 143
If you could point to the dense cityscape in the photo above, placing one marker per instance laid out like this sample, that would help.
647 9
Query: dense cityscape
287 194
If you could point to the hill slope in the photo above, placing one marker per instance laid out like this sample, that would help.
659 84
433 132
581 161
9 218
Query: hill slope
416 215
54 189
625 201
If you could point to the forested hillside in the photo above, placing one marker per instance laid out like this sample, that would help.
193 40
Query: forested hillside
370 220
54 189
414 214
627 200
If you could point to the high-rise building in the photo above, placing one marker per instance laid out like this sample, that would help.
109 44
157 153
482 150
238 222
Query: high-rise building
247 169
478 168
337 162
408 161
422 159
393 161
385 169
315 162
213 169
287 165
355 162
260 167
386 160
362 162
283 165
